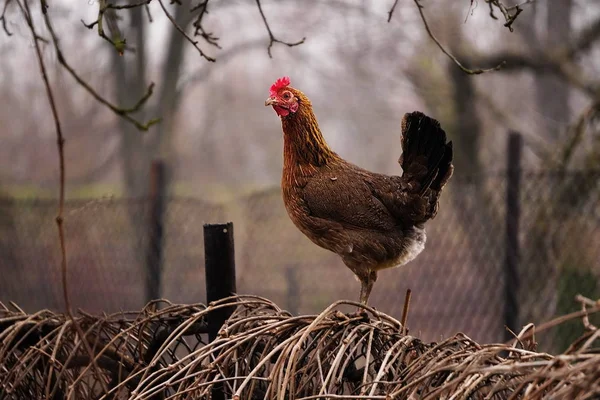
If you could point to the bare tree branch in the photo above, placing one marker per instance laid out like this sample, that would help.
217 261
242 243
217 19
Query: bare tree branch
558 61
122 112
208 36
391 12
544 63
536 144
60 142
204 71
61 196
272 38
576 133
446 52
117 41
148 13
189 39
129 5
510 13
3 18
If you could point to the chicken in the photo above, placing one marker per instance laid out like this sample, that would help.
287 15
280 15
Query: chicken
372 221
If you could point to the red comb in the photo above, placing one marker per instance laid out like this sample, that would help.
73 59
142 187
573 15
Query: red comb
279 84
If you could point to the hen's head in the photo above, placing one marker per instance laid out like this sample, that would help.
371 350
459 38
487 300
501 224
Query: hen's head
285 99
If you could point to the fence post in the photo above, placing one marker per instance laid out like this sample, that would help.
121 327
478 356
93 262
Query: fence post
157 198
219 257
511 270
219 261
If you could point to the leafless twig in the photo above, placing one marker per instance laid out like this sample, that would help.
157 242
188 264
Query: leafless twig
446 52
272 38
148 13
510 13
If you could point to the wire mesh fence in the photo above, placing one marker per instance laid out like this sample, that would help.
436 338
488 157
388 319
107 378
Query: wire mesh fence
458 282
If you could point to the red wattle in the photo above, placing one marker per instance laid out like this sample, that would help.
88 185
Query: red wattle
282 112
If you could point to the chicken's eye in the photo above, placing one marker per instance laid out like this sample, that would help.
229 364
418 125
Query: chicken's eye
287 95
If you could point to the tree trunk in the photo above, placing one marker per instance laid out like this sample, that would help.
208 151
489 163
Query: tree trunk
130 85
139 149
552 93
552 97
162 143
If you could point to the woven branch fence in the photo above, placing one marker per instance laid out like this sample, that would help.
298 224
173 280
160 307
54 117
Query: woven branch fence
263 352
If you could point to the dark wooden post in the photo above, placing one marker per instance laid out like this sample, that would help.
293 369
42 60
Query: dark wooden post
154 251
513 181
220 271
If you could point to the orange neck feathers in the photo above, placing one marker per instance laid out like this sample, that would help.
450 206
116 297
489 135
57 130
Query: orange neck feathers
304 145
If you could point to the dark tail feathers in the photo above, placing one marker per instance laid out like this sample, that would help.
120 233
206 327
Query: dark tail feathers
426 157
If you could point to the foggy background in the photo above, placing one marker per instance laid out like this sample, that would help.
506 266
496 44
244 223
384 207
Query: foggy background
222 149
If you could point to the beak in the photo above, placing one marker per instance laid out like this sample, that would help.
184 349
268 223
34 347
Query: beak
270 101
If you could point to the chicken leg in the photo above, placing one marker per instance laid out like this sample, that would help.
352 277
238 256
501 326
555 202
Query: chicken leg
366 284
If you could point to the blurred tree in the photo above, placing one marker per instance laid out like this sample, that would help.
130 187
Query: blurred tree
358 87
553 93
131 80
555 58
539 300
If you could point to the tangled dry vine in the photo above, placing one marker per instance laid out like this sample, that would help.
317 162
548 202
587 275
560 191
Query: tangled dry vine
263 352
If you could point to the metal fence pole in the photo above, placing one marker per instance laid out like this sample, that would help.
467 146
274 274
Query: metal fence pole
220 271
158 185
511 270
219 262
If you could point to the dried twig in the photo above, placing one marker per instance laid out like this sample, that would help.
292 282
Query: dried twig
561 320
272 38
405 311
446 52
264 352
